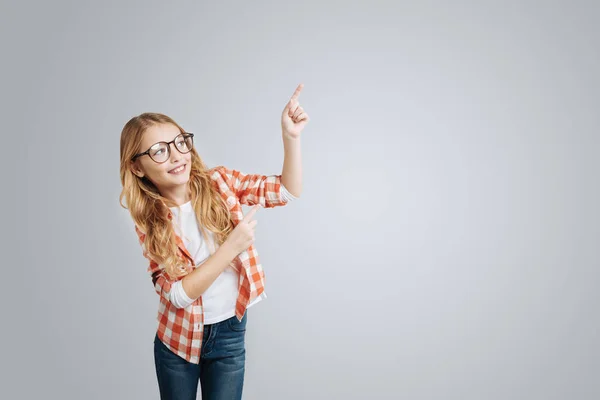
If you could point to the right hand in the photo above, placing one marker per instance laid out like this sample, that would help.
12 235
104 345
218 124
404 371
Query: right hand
242 236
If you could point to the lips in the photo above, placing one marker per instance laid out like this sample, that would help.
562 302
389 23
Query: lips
176 169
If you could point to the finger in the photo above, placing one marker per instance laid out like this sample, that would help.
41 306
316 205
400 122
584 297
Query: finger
298 111
297 91
301 117
293 107
252 224
251 213
288 108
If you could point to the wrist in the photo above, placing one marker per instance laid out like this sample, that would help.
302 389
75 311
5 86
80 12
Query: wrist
289 137
227 251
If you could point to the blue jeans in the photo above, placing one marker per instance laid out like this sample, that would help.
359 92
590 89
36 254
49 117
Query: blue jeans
221 369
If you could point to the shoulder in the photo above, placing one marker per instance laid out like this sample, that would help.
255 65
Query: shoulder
221 175
220 171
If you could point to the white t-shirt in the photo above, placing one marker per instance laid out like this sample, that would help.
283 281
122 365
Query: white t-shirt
220 298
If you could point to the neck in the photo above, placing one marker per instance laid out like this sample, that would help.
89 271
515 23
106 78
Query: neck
179 195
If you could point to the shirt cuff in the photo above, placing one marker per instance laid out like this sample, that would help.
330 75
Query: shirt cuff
178 296
286 195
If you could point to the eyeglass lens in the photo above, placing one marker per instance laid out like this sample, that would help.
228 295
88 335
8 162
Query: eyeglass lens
161 151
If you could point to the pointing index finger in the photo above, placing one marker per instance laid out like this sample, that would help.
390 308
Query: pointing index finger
297 91
251 213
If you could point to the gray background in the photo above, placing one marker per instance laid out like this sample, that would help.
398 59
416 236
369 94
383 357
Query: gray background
444 246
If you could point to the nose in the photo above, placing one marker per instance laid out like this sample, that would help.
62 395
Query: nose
174 154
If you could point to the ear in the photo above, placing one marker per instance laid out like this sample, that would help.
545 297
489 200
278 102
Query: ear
136 170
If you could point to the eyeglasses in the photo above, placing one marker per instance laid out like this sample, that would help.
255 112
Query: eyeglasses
161 151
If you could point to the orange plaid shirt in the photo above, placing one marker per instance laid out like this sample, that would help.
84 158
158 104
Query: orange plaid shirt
181 329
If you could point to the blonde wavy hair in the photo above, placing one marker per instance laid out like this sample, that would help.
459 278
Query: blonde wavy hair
149 209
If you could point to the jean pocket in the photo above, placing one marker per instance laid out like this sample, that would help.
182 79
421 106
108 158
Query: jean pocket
237 326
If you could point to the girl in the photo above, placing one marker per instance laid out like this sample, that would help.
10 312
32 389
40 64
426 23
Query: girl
203 263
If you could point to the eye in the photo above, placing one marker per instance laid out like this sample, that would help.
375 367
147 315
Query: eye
157 152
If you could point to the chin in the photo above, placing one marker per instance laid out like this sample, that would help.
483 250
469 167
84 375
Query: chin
180 180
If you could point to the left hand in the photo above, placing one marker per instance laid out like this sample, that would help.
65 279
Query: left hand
293 118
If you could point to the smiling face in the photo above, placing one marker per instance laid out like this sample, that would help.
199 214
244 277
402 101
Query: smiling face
171 176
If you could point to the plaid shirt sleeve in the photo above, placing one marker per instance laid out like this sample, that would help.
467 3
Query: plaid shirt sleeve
252 189
162 284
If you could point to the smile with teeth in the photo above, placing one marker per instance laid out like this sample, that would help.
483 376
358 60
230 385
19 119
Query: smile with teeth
177 170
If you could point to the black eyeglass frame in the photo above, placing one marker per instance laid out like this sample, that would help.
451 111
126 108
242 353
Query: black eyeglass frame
147 152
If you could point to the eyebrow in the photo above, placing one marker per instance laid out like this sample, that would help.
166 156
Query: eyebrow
164 140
